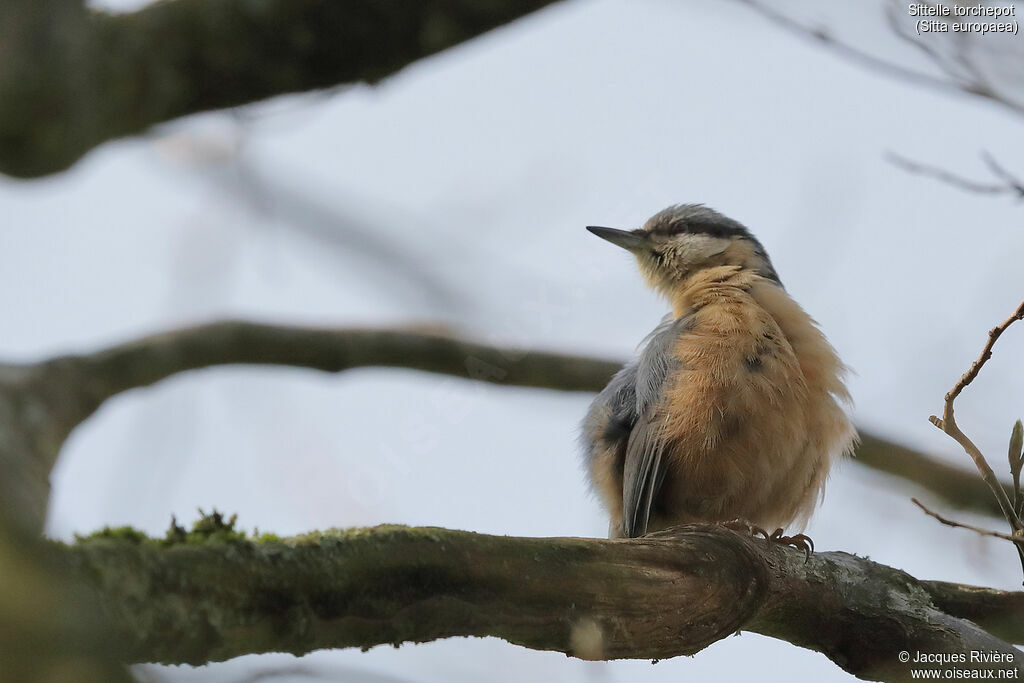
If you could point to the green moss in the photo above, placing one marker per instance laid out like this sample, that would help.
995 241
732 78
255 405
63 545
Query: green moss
350 533
265 538
209 528
120 533
215 527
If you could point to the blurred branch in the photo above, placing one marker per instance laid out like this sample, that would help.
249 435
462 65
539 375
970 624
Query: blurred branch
963 73
952 484
41 404
98 376
668 594
74 78
969 80
367 246
853 54
1008 183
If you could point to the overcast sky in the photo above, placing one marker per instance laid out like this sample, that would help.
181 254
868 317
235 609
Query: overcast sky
457 193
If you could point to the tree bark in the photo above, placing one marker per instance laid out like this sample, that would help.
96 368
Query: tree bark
216 595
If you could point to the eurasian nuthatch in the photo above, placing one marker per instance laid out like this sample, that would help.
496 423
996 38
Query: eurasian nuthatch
733 409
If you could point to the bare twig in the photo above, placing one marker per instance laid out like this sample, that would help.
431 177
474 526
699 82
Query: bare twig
948 425
961 525
986 354
928 48
1009 184
974 83
1012 182
956 83
851 53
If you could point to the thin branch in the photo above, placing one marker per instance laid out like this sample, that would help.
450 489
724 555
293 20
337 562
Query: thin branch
849 52
928 48
1009 184
948 425
665 595
960 525
1012 182
885 67
986 354
975 81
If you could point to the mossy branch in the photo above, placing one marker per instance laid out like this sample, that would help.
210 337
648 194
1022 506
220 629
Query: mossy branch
219 595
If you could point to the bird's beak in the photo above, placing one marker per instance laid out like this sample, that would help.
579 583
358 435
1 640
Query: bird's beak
621 238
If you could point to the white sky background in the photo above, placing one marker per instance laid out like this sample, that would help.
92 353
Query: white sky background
480 167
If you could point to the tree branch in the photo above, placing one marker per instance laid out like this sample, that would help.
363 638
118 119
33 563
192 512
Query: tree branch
948 425
1008 184
954 485
849 52
94 378
1001 613
960 525
75 78
972 82
661 596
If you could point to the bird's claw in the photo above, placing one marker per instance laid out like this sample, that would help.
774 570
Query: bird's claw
798 541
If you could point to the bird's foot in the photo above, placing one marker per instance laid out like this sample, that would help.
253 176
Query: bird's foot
744 526
798 541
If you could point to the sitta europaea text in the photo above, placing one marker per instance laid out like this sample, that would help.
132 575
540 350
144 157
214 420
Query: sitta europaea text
733 409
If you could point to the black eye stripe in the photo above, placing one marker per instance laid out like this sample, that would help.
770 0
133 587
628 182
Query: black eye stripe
701 227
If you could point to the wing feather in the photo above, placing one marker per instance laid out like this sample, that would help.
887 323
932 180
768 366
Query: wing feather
643 474
644 466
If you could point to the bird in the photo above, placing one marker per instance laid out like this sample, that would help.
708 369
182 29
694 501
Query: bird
735 407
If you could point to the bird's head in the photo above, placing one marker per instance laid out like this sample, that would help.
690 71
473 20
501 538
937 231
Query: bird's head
681 240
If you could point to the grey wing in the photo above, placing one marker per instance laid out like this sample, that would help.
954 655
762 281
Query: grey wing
644 466
612 414
642 475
